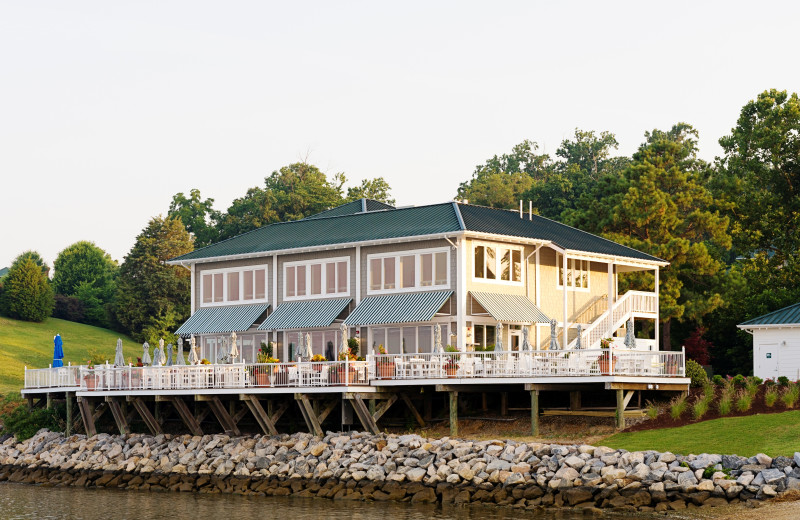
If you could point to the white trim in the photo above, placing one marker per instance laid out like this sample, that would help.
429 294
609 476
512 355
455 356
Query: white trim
193 290
224 272
497 247
323 279
461 294
770 326
358 275
416 253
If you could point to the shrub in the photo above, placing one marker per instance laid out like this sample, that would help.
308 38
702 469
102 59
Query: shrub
697 348
752 385
725 404
677 406
739 381
700 407
783 381
696 373
652 409
744 401
718 380
790 395
69 308
27 294
771 395
25 423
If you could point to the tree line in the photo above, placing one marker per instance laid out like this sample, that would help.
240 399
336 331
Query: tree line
730 228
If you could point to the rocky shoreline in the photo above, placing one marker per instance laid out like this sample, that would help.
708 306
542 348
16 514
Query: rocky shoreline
360 466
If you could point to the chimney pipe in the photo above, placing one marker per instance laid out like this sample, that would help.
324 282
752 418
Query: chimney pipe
530 210
520 208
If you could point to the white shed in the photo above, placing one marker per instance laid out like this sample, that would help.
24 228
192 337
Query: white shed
776 343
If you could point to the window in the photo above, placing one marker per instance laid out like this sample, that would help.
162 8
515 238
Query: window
407 340
317 279
498 263
577 272
233 285
409 271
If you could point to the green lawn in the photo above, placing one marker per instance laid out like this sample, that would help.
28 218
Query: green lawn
31 344
773 434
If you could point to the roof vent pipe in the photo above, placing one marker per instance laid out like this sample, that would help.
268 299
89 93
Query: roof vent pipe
520 208
530 210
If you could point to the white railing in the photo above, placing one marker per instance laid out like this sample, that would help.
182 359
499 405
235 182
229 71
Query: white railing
465 365
545 363
629 303
236 375
59 377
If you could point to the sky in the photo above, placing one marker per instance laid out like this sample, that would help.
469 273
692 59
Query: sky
107 109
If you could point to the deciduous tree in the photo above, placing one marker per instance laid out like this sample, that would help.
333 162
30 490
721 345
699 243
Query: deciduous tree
27 294
197 215
85 271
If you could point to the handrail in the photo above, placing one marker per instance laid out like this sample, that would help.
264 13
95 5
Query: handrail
619 313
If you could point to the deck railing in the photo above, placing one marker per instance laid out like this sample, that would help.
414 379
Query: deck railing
463 365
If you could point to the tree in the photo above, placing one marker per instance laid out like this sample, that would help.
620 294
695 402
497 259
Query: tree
197 215
502 180
27 294
37 259
84 271
659 205
375 189
255 209
152 297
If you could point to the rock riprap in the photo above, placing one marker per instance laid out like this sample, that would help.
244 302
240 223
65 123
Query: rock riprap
360 466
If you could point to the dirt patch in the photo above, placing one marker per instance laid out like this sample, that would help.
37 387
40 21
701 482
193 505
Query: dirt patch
665 420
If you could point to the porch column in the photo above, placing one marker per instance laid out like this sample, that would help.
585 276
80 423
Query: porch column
564 286
275 298
658 346
538 296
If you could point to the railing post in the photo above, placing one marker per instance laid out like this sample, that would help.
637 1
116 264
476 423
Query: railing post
683 361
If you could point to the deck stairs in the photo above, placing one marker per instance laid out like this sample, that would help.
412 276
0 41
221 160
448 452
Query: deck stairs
632 304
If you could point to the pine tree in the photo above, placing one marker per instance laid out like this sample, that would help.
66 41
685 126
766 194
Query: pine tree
27 294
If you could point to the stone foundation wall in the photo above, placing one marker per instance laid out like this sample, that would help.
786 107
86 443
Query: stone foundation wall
359 466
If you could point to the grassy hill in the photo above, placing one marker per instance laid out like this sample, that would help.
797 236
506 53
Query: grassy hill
31 344
773 434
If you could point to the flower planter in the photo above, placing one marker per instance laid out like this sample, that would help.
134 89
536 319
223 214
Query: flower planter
606 363
451 371
386 370
262 378
90 383
343 376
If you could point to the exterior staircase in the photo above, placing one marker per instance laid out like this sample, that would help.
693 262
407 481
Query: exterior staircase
629 305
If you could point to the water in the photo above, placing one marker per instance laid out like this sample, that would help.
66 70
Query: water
24 501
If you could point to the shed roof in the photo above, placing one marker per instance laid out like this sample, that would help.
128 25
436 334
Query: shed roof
786 316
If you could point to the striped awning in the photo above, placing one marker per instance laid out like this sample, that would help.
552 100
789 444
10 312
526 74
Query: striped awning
398 308
510 307
305 314
219 320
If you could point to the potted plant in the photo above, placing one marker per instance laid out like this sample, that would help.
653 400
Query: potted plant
386 369
606 360
342 373
264 357
89 378
451 366
352 345
318 358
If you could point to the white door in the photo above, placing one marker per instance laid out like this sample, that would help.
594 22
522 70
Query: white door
767 360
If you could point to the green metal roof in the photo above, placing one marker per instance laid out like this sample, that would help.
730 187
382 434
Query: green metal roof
305 314
357 206
510 307
398 223
787 316
327 229
398 308
505 222
220 320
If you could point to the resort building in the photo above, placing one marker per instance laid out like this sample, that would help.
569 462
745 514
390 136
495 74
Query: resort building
484 275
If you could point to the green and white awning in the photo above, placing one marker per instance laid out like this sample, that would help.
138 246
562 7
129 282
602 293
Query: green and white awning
305 314
510 307
398 308
222 320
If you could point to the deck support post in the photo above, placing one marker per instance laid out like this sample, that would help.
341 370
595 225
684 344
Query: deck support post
453 414
503 403
119 415
68 429
307 409
428 405
413 409
575 400
263 418
147 417
49 400
222 415
362 412
86 414
620 414
186 415
484 404
534 413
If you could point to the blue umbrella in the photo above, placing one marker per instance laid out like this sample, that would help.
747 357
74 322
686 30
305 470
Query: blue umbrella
58 351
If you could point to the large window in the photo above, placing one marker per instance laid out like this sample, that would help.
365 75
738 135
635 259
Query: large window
498 263
316 279
240 285
577 273
407 340
409 270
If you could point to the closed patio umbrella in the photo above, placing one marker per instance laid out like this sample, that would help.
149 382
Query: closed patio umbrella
169 355
498 336
194 359
158 356
298 352
179 353
58 351
308 352
222 354
525 343
437 339
234 352
553 336
630 339
146 361
578 345
119 359
343 332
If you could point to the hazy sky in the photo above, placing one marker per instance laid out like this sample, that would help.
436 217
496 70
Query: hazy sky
107 109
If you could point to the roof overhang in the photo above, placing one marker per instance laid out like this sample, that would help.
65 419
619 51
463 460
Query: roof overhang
770 326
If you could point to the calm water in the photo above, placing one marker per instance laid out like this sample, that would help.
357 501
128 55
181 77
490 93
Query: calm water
23 501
